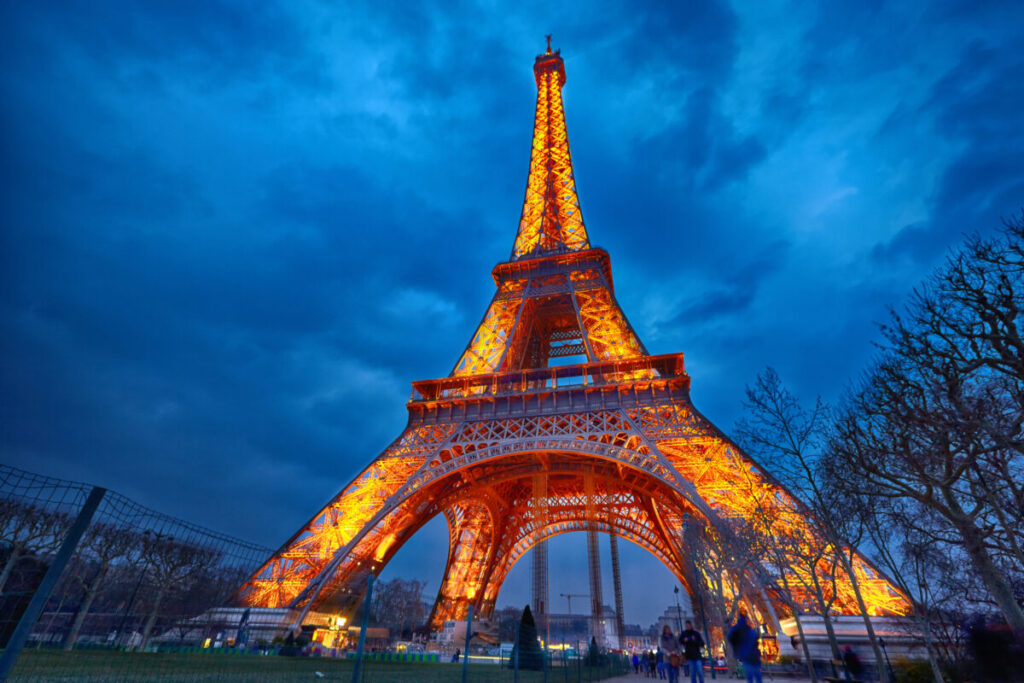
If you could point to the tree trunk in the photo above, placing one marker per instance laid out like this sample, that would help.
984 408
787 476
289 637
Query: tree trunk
780 562
820 596
807 650
150 620
83 611
928 646
990 575
730 656
883 673
9 566
49 625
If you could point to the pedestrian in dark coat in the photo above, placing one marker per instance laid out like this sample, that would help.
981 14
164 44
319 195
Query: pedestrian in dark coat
692 645
744 641
852 662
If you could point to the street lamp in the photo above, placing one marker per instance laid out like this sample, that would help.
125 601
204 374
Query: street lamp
679 610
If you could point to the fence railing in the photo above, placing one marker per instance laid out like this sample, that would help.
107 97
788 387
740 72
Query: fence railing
135 579
140 596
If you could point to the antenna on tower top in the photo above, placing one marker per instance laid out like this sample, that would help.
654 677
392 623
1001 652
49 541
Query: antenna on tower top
549 43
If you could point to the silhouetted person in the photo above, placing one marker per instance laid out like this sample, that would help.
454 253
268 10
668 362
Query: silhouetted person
852 662
692 644
743 639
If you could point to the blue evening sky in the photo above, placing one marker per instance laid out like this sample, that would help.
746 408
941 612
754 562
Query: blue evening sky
233 233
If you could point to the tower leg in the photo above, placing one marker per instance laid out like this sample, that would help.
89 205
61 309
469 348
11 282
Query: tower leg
471 535
539 592
539 588
596 600
594 559
620 620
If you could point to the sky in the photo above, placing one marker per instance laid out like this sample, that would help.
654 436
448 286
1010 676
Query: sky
233 233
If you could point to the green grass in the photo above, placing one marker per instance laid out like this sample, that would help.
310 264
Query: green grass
92 667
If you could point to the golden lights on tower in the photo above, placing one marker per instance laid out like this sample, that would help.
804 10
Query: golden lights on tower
611 439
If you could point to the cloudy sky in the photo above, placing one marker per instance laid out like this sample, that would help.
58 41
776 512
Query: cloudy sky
233 233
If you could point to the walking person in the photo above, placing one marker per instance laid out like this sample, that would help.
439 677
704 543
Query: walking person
661 664
743 639
692 650
670 646
852 662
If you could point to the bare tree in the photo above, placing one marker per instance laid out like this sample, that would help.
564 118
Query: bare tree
791 440
102 544
920 555
768 516
939 417
726 557
172 566
28 528
398 604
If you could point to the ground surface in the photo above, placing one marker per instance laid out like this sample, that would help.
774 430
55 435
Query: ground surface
93 667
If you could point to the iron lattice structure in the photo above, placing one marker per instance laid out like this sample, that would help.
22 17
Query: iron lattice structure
514 447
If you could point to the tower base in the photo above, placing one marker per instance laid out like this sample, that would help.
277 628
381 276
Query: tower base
901 635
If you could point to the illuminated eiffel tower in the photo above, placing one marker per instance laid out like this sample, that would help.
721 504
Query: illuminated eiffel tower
554 419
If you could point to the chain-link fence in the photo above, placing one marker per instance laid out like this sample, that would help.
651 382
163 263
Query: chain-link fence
111 590
136 580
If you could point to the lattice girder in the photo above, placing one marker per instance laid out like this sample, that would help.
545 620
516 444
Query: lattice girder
622 504
304 556
430 489
551 218
703 475
476 441
537 314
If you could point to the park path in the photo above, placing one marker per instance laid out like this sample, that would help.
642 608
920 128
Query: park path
638 678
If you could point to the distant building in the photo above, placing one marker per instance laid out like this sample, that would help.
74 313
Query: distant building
636 638
674 617
454 633
572 628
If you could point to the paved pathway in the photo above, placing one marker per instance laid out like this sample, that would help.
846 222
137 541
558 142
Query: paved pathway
639 678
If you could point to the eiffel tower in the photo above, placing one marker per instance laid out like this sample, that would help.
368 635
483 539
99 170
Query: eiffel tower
554 419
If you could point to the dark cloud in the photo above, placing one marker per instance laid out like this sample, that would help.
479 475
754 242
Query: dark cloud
975 104
736 288
702 151
232 235
216 40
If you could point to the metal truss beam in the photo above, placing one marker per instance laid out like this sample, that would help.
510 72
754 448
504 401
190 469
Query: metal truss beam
514 452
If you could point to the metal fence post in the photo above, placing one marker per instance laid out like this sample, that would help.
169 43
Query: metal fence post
515 653
545 654
42 594
356 670
469 636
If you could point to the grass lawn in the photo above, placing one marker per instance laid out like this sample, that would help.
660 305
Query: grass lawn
95 666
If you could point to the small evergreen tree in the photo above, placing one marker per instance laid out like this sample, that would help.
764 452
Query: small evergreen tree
594 654
527 647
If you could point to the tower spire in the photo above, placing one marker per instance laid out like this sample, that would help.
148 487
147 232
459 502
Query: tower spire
551 220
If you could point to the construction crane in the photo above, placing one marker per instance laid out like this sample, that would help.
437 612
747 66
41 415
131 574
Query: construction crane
570 596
